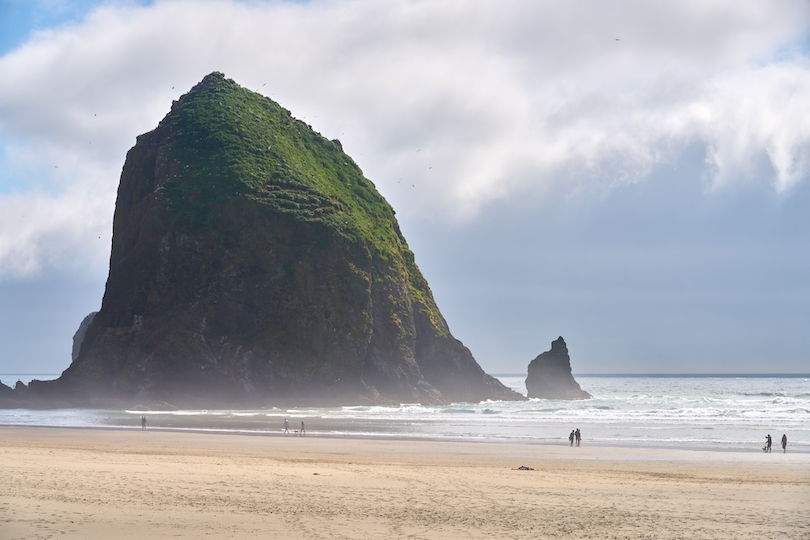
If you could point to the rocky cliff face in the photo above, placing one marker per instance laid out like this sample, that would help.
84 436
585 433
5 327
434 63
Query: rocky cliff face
78 337
253 263
550 375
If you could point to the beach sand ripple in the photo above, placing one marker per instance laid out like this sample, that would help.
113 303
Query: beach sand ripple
76 483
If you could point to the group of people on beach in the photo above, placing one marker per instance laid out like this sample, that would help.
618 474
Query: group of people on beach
301 433
575 436
769 442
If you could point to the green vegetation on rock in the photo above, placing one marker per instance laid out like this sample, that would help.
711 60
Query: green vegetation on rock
233 142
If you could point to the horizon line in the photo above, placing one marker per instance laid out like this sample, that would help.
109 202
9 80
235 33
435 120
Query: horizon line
672 375
792 375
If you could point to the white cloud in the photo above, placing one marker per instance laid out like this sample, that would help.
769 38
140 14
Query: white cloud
467 101
760 113
69 232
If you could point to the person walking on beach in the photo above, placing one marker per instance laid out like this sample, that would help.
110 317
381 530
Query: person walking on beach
578 436
768 443
143 422
571 438
784 443
286 427
303 429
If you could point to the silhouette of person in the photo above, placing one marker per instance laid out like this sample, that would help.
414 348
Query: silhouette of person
571 438
578 436
303 429
768 443
143 422
286 427
784 443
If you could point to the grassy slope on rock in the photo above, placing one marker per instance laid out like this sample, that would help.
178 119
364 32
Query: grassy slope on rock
235 142
232 142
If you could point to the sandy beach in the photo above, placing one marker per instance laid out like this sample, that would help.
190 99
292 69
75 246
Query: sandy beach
115 484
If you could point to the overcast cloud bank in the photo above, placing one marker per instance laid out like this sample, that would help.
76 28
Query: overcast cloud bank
462 103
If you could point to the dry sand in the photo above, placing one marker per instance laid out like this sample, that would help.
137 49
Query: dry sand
78 483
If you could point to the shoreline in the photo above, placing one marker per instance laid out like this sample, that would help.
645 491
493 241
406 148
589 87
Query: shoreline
696 415
316 434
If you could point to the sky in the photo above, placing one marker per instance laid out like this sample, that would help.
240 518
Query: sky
630 175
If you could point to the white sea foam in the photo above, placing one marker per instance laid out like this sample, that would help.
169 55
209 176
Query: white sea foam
699 412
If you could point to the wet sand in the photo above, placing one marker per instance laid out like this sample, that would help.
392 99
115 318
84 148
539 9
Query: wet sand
112 484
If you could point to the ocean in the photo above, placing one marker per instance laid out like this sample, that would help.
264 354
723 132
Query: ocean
732 413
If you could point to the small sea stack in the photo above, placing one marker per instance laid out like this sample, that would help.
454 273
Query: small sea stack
550 375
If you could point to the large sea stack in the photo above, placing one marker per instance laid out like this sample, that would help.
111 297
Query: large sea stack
252 263
550 375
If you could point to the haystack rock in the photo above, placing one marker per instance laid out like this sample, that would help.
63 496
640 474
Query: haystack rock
550 375
253 264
